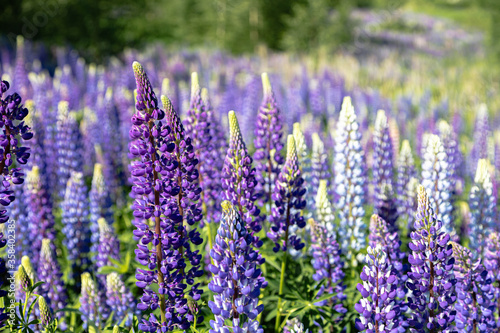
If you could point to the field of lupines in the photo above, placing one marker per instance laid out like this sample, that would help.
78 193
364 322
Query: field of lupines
182 191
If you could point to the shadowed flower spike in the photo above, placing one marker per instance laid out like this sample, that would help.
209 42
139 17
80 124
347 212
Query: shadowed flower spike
289 203
378 308
383 172
90 307
100 205
268 144
45 313
436 178
431 265
294 326
481 134
476 302
350 181
165 189
119 299
450 144
328 265
239 179
320 166
49 271
236 280
75 220
482 205
304 163
406 171
324 210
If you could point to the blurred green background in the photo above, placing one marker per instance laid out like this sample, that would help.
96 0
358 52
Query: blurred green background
100 28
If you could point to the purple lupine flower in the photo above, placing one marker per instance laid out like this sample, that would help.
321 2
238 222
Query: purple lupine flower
304 161
383 173
108 247
482 203
288 203
328 265
45 313
90 304
406 171
68 145
49 271
476 302
450 144
237 280
380 235
165 185
378 308
320 166
239 180
38 214
350 181
75 220
431 278
481 134
492 264
14 130
294 326
268 144
100 205
436 178
324 213
119 299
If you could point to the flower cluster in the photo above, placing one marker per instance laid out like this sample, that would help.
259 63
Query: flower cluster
320 166
100 205
119 300
349 181
294 326
289 203
476 304
383 173
431 279
406 171
236 280
90 305
378 306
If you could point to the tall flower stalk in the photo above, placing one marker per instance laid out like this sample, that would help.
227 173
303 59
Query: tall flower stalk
268 144
406 171
237 280
287 212
350 181
165 188
431 279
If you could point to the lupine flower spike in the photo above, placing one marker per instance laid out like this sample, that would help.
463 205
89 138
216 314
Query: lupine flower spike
406 171
350 181
482 205
236 280
320 166
119 300
90 303
476 303
431 279
378 308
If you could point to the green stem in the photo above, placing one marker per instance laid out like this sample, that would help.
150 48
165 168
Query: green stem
282 285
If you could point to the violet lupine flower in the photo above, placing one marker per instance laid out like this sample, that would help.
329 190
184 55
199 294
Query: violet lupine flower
450 144
320 166
164 187
14 130
239 182
436 178
481 134
431 265
268 144
378 308
383 172
328 265
482 203
406 171
38 214
100 205
119 299
68 145
476 302
49 271
288 203
109 246
236 281
325 214
90 304
45 313
75 220
492 264
380 235
304 163
294 326
349 181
